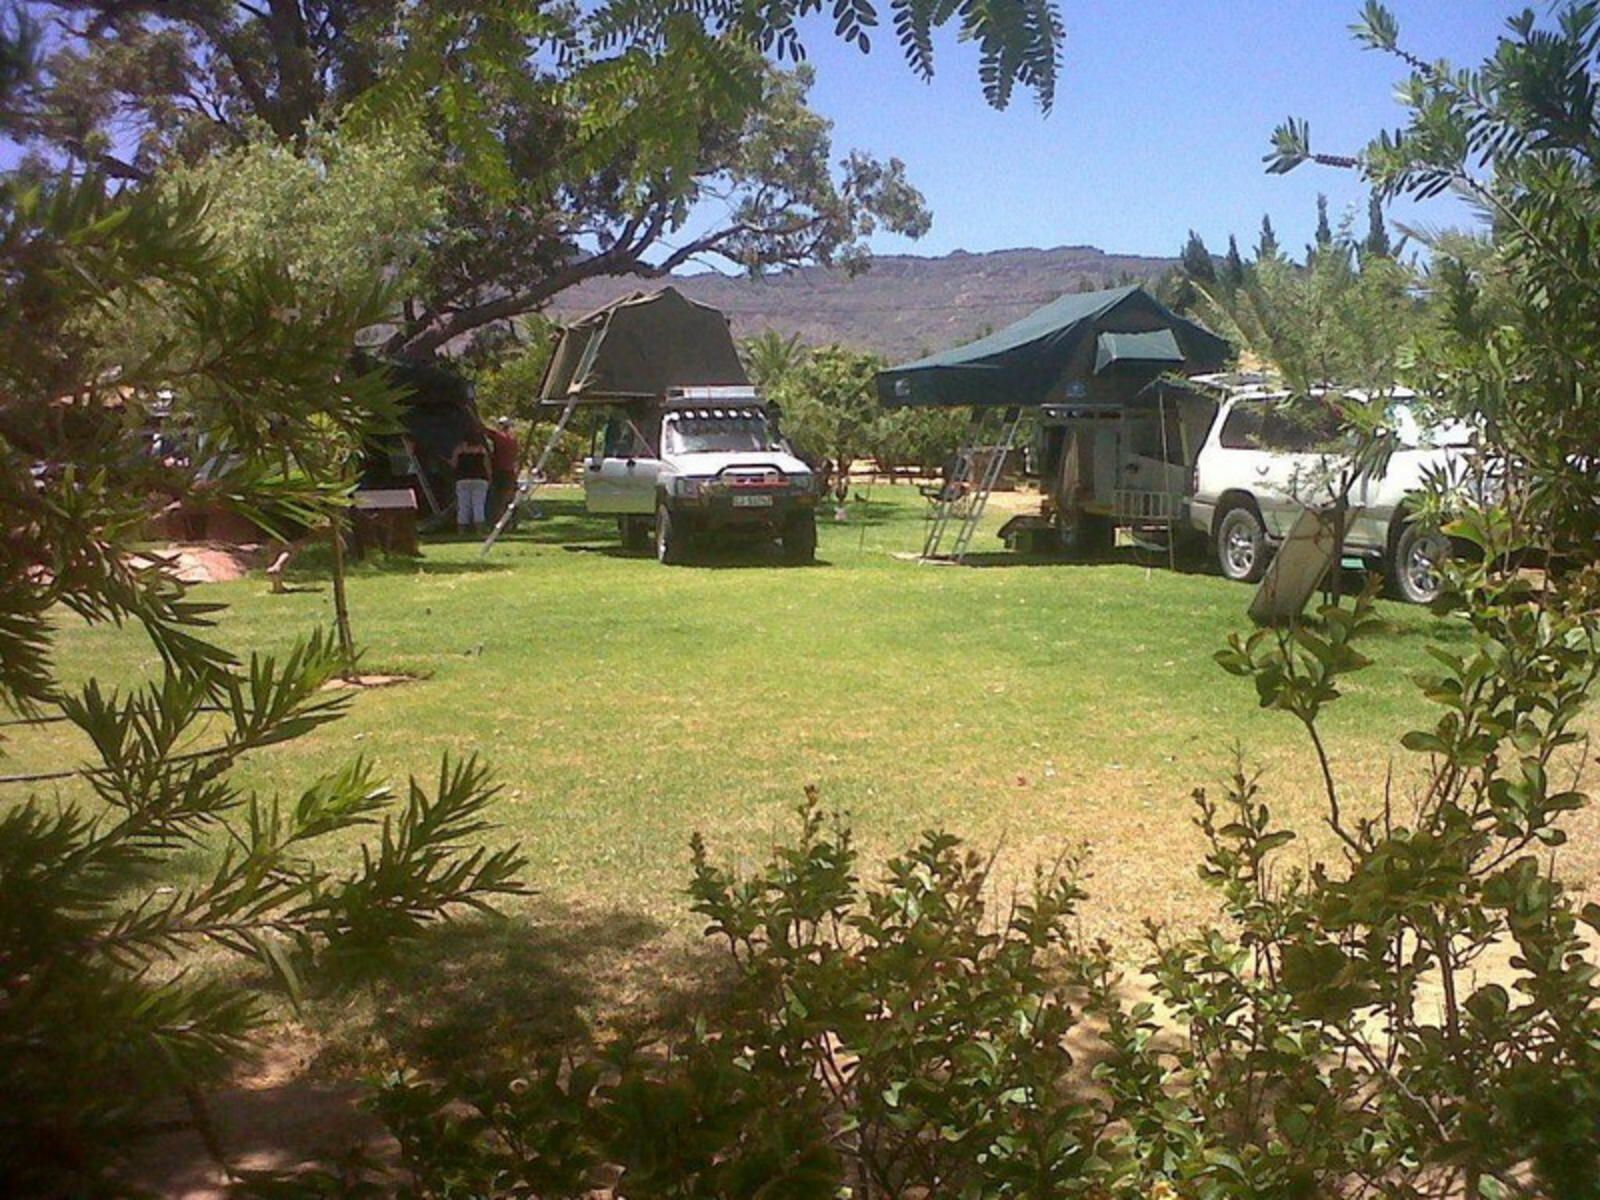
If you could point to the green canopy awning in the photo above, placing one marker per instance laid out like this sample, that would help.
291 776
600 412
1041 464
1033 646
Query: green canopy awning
1159 347
1057 354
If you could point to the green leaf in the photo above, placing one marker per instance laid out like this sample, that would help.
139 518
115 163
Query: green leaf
1425 743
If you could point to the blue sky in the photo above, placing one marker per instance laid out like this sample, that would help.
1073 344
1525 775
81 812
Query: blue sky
1162 115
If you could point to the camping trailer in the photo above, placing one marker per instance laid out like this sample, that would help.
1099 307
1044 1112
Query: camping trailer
1102 374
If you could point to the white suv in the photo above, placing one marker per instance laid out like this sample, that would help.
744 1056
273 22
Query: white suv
1265 460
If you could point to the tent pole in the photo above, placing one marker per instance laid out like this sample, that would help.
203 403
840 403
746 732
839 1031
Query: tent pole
1166 461
861 543
422 478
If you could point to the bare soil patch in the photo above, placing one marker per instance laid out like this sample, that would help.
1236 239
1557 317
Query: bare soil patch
206 562
368 681
276 1117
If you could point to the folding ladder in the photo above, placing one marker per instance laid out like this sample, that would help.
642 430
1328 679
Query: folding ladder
964 496
530 482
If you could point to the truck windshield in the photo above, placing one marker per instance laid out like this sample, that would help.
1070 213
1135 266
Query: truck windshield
719 435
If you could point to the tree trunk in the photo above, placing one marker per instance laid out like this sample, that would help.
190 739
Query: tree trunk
341 606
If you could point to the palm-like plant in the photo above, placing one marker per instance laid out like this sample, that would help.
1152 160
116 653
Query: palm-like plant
770 357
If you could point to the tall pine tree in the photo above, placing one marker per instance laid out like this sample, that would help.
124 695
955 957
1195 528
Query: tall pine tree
1232 264
1196 260
1324 234
1267 244
1376 244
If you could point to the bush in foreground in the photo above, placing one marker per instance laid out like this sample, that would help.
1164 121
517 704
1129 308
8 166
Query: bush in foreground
1346 1032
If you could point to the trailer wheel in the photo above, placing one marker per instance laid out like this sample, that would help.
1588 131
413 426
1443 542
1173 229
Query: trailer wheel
1242 545
672 543
1192 544
800 538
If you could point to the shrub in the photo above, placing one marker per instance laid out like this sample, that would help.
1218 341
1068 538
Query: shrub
102 1013
876 1039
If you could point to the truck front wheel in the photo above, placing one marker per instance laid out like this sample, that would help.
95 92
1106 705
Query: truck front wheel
672 542
800 538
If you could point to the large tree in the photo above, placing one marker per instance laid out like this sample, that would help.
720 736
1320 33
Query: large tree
1519 136
621 139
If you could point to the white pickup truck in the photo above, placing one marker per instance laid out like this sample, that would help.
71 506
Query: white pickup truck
1264 461
704 462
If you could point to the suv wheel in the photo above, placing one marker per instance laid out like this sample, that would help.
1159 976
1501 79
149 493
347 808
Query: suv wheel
1242 545
1415 562
671 542
800 538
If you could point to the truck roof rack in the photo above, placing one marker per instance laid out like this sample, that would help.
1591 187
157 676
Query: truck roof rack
699 397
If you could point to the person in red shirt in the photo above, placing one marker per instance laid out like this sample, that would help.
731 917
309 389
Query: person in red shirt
503 455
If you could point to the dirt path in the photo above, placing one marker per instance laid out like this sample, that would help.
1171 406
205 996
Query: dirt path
275 1118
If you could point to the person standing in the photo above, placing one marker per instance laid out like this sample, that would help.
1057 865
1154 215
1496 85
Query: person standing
503 452
470 461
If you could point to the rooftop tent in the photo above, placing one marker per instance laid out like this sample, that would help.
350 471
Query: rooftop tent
638 347
1084 347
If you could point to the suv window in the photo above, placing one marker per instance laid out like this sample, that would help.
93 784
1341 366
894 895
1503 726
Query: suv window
1283 427
1242 428
1301 427
622 440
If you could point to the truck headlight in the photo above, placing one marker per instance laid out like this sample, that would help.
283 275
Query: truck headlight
687 489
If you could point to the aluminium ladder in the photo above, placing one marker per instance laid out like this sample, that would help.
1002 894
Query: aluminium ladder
530 482
964 498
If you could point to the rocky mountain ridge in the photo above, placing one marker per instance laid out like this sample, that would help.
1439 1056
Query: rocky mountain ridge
902 306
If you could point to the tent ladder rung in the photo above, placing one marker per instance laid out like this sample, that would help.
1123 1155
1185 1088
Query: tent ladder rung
530 482
967 497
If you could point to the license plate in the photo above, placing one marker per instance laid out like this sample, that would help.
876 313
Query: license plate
752 501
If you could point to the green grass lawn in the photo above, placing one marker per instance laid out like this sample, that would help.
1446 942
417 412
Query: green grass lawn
625 705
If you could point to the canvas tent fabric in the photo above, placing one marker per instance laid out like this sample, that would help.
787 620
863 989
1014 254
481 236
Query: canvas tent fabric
640 346
436 412
1088 346
437 408
1159 348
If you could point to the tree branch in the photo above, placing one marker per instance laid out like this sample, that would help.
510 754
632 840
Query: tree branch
107 164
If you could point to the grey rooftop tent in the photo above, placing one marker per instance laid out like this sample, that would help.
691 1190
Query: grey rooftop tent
636 348
1092 347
